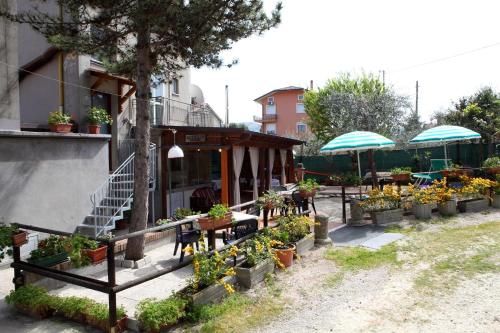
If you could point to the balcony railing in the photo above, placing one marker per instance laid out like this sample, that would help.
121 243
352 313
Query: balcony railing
267 118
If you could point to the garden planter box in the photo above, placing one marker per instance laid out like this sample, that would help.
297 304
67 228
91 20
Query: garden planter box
249 277
447 208
495 200
103 325
211 294
456 173
207 223
474 205
402 177
304 244
96 255
423 211
20 238
41 313
49 261
387 216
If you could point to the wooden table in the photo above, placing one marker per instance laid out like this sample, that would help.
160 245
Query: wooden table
237 216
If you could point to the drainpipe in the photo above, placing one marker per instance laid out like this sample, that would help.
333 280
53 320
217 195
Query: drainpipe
60 68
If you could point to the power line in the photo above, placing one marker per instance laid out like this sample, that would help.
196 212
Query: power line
447 57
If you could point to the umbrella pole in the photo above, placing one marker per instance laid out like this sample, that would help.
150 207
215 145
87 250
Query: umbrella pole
359 171
445 156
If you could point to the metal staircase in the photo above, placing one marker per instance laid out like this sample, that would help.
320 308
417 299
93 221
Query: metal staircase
115 196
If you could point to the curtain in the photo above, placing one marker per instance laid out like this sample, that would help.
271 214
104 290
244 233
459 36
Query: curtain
254 161
238 155
271 164
283 165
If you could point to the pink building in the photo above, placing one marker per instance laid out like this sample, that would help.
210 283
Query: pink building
283 112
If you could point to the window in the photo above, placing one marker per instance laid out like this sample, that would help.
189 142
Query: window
299 108
175 86
157 87
270 100
270 128
300 97
270 109
301 128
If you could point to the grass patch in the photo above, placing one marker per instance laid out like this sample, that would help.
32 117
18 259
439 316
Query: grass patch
237 313
356 258
334 280
399 229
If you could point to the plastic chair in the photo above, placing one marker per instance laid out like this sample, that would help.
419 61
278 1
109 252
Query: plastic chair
240 230
186 237
434 171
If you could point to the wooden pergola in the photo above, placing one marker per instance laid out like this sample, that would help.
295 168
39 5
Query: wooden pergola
224 140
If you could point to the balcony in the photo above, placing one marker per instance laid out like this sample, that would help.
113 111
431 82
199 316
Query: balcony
267 118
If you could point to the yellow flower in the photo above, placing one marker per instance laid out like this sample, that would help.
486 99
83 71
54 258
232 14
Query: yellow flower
230 272
188 249
233 251
275 242
196 267
229 288
259 247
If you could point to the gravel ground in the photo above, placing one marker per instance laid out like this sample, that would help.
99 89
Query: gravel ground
383 299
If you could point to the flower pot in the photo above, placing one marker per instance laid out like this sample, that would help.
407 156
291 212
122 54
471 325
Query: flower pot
306 194
473 205
423 211
96 255
94 129
285 256
249 277
61 128
19 238
387 216
304 244
401 177
211 294
447 208
493 171
49 261
208 223
495 200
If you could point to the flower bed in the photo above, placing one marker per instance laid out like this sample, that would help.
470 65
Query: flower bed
383 206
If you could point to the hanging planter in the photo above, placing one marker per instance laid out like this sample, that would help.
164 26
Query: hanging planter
218 216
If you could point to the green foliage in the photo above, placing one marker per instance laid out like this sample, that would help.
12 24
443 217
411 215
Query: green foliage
256 250
218 211
6 232
57 117
356 258
270 199
351 178
49 247
33 297
99 312
308 185
399 171
349 103
181 213
75 245
154 314
72 306
492 162
97 116
296 226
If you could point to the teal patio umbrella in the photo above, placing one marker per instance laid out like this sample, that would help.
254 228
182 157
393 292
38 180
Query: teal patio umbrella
443 135
356 142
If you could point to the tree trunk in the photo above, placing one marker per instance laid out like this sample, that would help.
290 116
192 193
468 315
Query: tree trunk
138 221
371 160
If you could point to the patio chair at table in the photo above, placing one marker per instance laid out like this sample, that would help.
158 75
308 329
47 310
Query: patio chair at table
240 230
301 204
253 210
186 237
437 165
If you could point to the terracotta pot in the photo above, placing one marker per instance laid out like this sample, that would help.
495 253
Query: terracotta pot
207 223
96 255
61 128
94 129
305 194
493 171
285 256
401 177
19 238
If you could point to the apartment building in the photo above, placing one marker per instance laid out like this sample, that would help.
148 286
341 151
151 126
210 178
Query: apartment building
283 112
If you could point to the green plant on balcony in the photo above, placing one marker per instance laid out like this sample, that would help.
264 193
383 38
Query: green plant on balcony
57 117
97 116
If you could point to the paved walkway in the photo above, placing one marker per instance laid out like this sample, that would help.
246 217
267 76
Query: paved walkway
370 236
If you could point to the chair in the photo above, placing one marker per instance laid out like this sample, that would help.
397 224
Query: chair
253 210
185 238
203 199
241 229
301 204
434 171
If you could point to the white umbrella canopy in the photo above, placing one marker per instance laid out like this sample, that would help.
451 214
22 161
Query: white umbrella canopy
356 141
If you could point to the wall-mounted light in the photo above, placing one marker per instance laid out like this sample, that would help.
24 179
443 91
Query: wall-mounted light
175 151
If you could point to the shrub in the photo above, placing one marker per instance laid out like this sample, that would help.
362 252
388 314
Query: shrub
295 226
49 247
351 178
492 162
32 297
6 232
73 307
97 116
153 314
256 250
57 117
99 312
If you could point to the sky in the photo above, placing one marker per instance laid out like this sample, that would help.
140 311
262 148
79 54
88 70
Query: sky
317 39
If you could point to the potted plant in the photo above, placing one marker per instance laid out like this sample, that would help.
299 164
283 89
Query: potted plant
50 251
308 188
283 249
212 278
383 206
59 122
455 172
32 300
73 308
258 261
423 200
298 229
492 165
447 204
219 215
95 251
270 200
157 315
473 194
401 174
97 315
96 117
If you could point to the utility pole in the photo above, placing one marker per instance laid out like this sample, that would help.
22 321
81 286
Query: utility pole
416 98
227 106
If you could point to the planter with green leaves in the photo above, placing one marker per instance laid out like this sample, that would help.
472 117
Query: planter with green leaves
492 165
308 188
50 251
383 206
270 200
258 261
219 215
33 301
423 201
473 195
298 228
401 174
445 198
97 315
59 122
96 117
158 315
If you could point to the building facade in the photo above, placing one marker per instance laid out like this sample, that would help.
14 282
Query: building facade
283 112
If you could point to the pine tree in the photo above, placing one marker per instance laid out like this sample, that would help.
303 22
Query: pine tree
141 38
